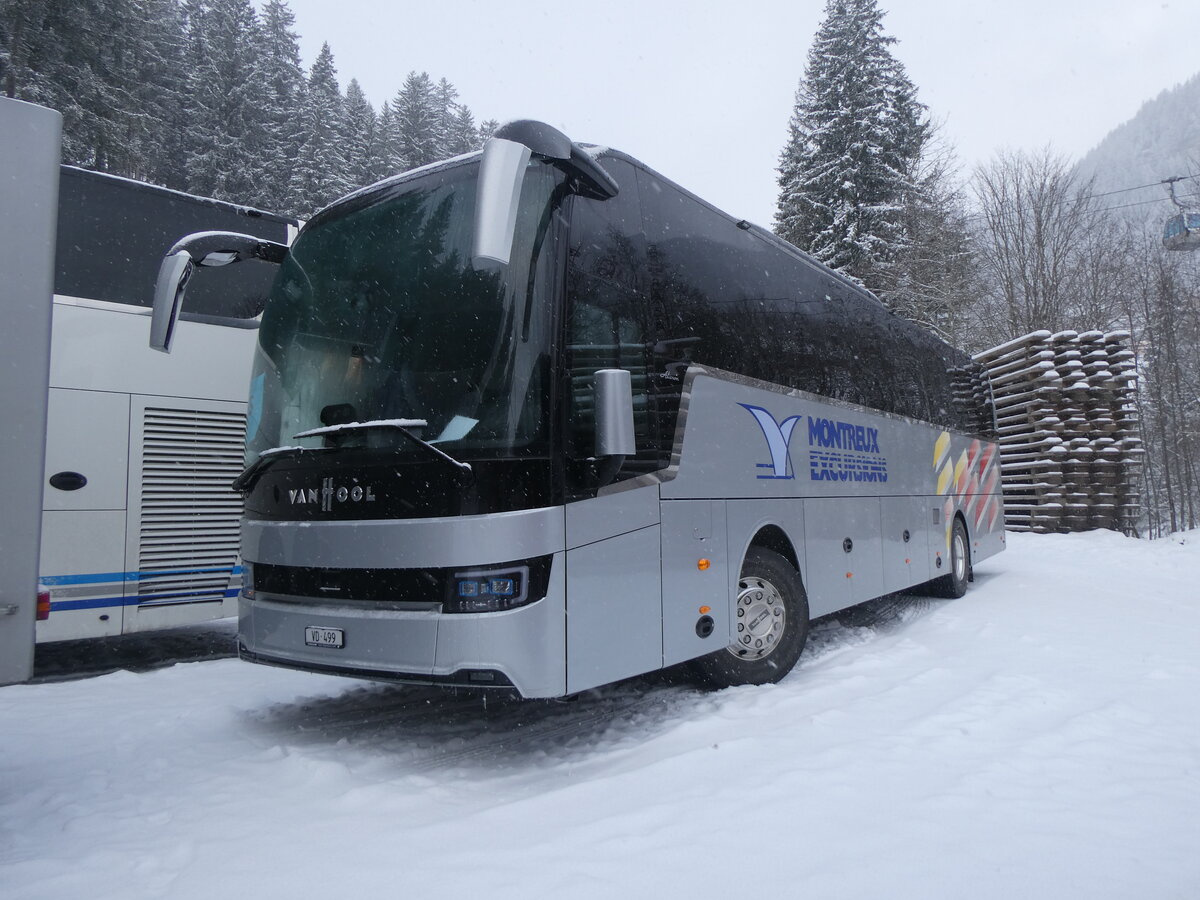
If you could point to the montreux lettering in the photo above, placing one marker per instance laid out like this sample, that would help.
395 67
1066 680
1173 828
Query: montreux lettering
842 435
844 452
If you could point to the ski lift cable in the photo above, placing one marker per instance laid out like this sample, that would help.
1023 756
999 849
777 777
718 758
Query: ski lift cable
1141 187
1145 202
1160 183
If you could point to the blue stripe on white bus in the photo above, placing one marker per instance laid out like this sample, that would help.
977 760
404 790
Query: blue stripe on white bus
103 577
144 600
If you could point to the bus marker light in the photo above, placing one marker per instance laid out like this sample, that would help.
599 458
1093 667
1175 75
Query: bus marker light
705 610
703 564
849 574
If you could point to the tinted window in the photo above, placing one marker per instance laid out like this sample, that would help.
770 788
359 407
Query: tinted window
378 313
725 296
113 233
608 323
705 299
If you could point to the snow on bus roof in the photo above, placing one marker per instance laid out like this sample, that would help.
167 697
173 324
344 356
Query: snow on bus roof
251 211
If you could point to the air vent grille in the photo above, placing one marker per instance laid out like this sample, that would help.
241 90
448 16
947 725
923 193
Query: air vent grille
188 547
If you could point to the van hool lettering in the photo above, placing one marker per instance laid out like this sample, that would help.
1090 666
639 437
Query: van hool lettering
330 493
838 451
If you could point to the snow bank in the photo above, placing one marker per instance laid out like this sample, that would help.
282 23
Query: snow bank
1037 738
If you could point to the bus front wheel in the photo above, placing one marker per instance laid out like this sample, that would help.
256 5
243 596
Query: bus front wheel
771 625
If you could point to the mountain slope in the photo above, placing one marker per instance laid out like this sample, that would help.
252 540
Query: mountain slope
1162 140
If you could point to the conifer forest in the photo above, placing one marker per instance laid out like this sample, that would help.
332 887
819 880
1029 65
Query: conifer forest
211 97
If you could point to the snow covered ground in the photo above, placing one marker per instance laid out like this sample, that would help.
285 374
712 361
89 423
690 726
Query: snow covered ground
1038 738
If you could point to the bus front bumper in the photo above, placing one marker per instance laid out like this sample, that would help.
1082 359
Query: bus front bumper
523 648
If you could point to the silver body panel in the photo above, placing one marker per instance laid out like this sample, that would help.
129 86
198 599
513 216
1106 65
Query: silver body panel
693 530
528 645
29 154
404 543
842 483
614 617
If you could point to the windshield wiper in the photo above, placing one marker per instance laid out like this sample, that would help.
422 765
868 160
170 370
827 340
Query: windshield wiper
465 473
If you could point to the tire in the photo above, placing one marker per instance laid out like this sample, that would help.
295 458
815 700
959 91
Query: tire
763 650
954 585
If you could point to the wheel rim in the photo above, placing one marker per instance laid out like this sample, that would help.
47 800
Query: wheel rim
761 618
960 556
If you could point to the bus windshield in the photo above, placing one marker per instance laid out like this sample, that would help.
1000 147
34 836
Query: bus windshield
378 315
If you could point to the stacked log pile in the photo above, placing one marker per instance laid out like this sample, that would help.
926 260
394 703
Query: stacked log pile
1070 450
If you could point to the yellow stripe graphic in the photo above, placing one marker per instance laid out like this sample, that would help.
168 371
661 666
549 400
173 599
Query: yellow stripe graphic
943 481
940 448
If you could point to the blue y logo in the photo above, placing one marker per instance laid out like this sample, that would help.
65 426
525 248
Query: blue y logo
778 435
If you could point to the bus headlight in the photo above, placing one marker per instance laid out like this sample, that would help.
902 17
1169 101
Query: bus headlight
488 590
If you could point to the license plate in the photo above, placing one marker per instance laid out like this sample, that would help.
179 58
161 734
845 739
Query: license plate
316 636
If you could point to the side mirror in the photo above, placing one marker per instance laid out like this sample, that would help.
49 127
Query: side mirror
501 174
614 413
204 248
173 276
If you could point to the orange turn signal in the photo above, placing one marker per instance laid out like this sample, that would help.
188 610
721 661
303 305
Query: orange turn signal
703 564
705 610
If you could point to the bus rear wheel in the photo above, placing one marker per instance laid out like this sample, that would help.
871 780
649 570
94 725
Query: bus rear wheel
771 616
954 585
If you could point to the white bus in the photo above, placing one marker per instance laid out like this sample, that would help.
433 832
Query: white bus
139 526
540 419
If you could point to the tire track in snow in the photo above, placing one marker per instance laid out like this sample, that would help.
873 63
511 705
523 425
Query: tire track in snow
433 729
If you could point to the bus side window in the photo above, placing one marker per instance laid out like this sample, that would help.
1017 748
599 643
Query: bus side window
606 325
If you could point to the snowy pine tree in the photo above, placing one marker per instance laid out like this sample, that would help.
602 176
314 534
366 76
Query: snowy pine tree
417 111
358 142
464 136
157 151
445 102
209 96
227 124
456 132
50 54
385 153
282 91
855 137
319 177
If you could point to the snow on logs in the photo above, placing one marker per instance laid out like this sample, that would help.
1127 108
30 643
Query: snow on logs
1070 452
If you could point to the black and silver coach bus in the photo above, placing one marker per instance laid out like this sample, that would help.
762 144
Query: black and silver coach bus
538 418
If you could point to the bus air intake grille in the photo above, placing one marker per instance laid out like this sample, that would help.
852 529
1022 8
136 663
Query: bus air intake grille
528 580
188 528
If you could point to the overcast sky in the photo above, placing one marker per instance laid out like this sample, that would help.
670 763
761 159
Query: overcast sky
702 92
